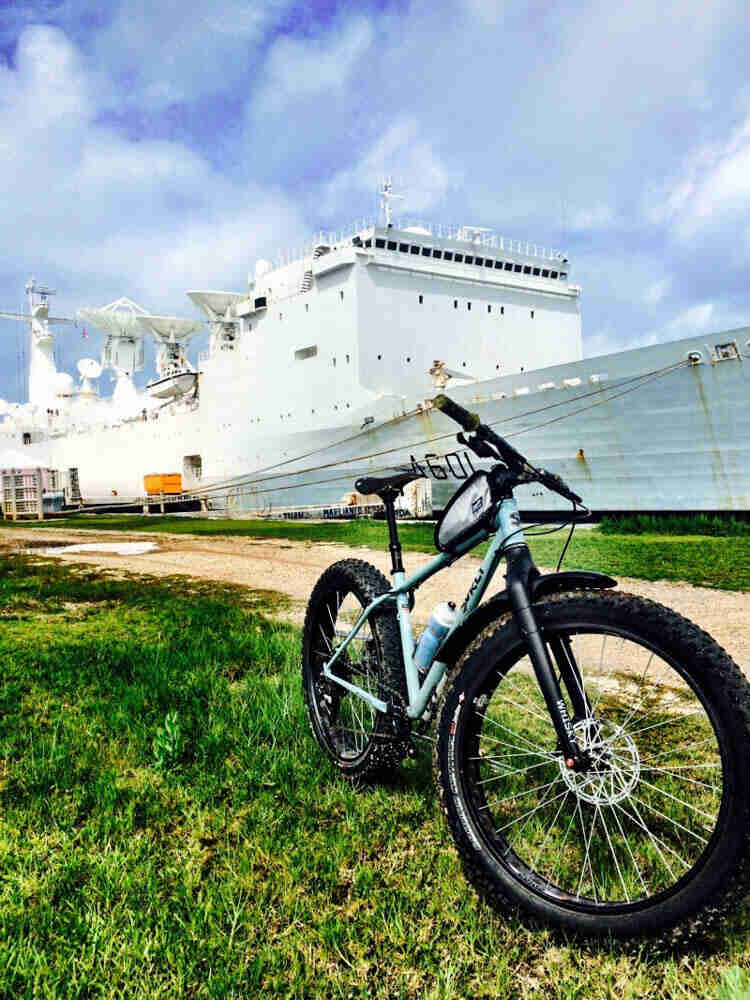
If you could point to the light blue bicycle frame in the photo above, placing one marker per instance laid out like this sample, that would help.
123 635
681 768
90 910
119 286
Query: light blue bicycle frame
506 525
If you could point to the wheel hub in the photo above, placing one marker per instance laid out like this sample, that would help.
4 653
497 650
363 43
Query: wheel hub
614 767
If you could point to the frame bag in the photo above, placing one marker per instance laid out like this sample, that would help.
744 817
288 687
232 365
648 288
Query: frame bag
468 511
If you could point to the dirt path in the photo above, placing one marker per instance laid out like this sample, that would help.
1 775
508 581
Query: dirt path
293 567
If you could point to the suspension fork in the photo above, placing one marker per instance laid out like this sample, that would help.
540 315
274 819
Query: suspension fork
571 675
521 570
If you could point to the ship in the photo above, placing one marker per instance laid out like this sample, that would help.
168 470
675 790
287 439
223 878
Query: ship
323 369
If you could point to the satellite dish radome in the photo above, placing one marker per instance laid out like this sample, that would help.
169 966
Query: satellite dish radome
89 368
63 384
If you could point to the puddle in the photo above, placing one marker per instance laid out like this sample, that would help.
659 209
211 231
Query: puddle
112 548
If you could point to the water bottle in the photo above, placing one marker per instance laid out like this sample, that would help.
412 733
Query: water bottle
441 621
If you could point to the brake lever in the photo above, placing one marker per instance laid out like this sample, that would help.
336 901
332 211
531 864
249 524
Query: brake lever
558 485
477 445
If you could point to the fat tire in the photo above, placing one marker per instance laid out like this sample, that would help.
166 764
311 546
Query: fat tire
724 879
389 742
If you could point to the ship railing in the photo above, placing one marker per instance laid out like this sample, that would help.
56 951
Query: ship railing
333 238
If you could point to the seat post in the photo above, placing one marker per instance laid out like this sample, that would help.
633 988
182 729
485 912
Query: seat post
389 500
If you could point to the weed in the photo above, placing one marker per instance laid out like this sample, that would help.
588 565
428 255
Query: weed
168 743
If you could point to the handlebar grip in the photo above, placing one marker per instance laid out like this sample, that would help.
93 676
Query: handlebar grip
558 485
469 421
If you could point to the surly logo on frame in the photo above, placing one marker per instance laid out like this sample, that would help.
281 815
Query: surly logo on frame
477 580
476 504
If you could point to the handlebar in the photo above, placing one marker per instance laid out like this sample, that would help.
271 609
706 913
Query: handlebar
512 458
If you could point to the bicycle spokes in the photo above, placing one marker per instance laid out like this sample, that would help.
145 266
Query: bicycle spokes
639 814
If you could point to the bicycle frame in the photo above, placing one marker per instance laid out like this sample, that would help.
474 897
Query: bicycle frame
505 526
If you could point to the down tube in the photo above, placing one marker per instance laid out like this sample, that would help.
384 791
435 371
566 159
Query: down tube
481 581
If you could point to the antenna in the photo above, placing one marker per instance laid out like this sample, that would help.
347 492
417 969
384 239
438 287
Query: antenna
386 197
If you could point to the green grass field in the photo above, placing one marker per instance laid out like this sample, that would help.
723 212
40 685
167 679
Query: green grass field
168 828
704 560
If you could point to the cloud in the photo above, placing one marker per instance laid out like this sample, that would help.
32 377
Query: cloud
422 178
103 216
656 292
711 188
695 319
162 54
297 68
596 216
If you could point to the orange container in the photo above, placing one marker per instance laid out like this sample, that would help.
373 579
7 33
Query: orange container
164 482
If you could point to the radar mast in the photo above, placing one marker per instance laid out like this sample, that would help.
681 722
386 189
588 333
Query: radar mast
43 387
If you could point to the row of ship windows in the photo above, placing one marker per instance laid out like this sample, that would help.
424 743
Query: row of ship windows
286 416
462 258
312 352
468 306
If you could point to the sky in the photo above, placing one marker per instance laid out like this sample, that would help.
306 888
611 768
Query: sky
150 148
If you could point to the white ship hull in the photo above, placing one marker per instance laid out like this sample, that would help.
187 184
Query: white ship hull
628 440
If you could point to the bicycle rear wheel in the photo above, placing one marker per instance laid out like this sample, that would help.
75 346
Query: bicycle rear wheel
651 838
361 741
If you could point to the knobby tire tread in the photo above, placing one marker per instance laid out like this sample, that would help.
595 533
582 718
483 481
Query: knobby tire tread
382 756
713 665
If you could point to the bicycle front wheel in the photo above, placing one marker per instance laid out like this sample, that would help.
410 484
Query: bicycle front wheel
651 836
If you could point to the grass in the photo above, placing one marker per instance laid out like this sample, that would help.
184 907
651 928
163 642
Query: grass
676 524
169 829
703 560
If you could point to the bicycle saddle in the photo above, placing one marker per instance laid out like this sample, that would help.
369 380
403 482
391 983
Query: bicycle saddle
377 485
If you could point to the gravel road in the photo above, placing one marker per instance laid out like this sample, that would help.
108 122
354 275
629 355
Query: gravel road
293 567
